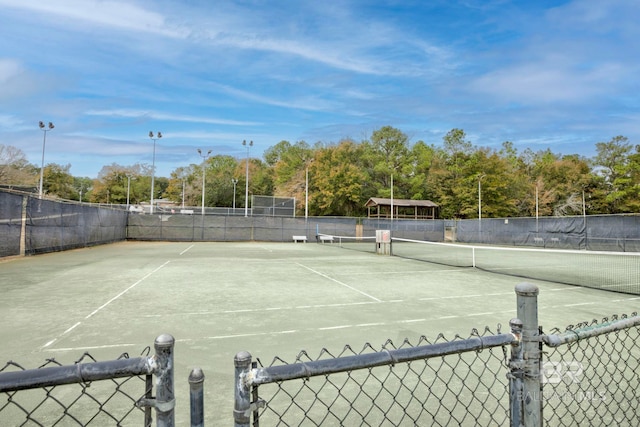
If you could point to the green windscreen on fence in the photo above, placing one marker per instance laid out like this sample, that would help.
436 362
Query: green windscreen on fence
10 223
613 271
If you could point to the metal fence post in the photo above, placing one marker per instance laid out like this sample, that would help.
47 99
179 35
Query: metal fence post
196 386
165 398
527 301
515 375
242 403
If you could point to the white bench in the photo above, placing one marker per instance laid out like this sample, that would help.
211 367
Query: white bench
538 240
326 239
297 239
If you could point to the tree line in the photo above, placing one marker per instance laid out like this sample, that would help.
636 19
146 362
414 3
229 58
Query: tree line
340 177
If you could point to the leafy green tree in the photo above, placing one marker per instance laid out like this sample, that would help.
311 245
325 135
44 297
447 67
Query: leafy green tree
182 185
422 155
58 181
560 181
387 154
219 188
82 187
337 181
613 164
288 165
115 181
14 167
260 180
454 176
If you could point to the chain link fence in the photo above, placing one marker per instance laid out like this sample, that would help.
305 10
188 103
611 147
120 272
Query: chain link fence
91 393
31 226
590 373
440 382
587 374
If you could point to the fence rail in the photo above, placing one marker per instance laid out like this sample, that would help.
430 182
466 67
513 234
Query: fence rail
118 401
590 372
585 374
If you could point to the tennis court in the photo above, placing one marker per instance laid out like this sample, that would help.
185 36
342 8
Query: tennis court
271 299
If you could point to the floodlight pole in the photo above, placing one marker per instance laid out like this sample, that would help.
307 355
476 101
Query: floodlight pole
391 197
246 186
44 129
234 181
480 201
537 207
204 162
153 165
128 189
183 192
306 193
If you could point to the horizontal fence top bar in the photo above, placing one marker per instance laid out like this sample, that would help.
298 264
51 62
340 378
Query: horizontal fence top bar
76 374
303 370
570 336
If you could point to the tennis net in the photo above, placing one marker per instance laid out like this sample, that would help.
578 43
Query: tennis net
614 271
362 243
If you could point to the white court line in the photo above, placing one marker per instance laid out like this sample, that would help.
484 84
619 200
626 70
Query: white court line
579 303
259 310
125 291
49 343
95 347
339 282
285 332
185 251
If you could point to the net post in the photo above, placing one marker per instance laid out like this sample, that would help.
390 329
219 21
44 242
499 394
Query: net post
383 242
527 312
242 399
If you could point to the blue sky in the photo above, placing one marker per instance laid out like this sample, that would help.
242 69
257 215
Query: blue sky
211 73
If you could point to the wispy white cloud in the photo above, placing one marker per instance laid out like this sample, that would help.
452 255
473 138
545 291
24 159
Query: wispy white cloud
125 113
9 68
310 103
545 82
114 14
10 122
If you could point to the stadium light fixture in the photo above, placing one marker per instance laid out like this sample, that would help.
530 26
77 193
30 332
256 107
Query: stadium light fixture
246 187
44 129
204 161
153 164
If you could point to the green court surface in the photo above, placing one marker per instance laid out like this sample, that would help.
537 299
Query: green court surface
271 299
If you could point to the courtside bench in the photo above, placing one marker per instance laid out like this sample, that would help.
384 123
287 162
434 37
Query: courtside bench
297 239
324 239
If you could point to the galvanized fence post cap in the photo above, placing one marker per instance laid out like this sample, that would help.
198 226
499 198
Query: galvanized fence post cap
515 323
527 289
242 358
196 376
164 341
